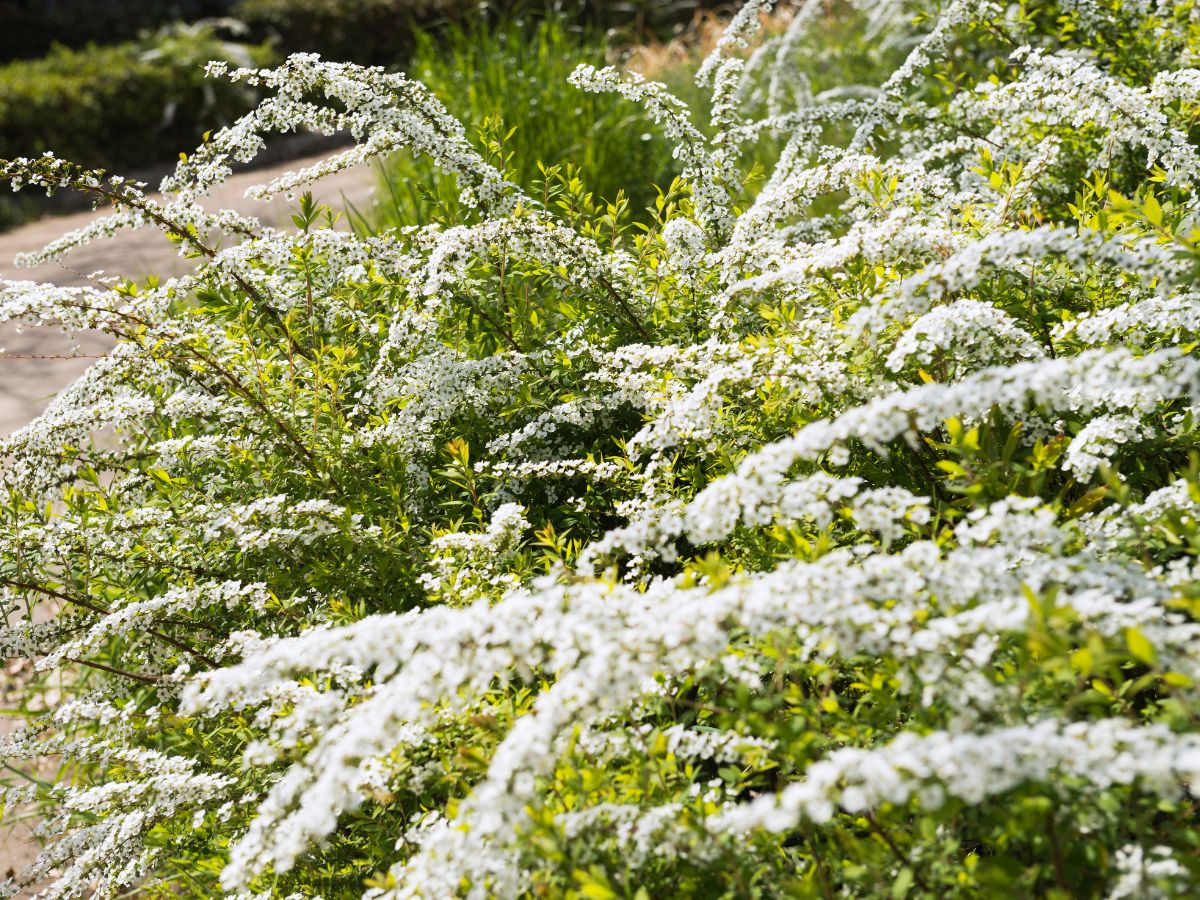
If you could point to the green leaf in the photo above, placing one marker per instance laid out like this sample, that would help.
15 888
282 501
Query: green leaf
1140 646
1153 211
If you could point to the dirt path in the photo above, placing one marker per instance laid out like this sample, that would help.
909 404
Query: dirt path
33 367
28 379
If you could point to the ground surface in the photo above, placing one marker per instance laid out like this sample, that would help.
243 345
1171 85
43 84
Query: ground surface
33 367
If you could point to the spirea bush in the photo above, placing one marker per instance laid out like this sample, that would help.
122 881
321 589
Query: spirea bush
828 535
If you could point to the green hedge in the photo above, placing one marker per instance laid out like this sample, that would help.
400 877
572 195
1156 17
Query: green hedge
381 32
29 29
366 31
123 106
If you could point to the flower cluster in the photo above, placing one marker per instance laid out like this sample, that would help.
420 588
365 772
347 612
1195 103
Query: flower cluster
832 533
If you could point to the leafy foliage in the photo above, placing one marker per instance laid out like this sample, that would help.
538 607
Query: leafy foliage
833 534
123 105
494 78
29 30
126 105
379 32
366 31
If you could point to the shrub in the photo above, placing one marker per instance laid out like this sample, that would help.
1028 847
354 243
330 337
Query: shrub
752 552
380 32
29 29
366 31
125 105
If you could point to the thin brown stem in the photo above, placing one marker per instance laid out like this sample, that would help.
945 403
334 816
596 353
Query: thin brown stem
101 611
497 326
135 676
899 854
1060 875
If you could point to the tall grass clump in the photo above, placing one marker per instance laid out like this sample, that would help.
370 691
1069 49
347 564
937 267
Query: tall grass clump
831 536
494 77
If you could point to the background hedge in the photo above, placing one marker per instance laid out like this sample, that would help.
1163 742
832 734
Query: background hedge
104 97
29 28
357 30
126 105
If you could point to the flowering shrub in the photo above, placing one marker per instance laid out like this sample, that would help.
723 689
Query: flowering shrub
833 535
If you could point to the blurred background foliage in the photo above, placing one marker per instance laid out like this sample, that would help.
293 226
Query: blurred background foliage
363 31
495 78
29 28
119 84
127 104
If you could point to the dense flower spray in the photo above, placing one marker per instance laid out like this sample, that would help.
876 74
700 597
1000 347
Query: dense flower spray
828 528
